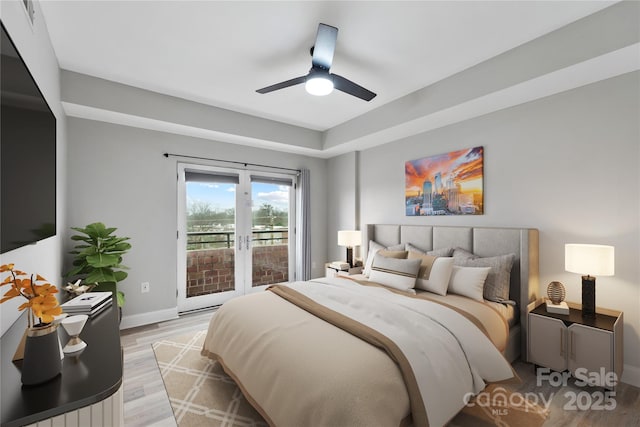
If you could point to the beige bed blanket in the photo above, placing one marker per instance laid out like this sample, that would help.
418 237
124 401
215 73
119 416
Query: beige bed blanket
299 370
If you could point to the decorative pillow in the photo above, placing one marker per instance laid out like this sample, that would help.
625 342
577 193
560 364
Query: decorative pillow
496 287
395 273
468 281
393 254
434 273
463 254
374 247
446 252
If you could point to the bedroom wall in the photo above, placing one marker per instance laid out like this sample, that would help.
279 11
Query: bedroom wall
118 175
35 47
342 180
566 165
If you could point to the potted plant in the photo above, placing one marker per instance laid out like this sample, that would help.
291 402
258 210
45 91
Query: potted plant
41 359
98 258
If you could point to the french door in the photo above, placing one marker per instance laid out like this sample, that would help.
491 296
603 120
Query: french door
235 233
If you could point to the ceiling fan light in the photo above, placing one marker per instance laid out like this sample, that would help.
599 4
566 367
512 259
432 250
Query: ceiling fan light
319 86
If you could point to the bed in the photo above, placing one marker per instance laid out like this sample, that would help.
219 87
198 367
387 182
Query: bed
350 351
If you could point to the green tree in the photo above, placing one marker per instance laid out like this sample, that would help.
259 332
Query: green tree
200 209
270 216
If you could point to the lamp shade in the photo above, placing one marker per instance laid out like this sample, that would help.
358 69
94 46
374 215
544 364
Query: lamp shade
349 238
596 260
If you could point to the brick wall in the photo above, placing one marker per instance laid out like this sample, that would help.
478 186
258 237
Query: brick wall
210 271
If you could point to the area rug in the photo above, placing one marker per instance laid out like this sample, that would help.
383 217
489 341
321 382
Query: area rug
201 394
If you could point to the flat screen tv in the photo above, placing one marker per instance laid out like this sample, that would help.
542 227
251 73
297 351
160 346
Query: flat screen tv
27 154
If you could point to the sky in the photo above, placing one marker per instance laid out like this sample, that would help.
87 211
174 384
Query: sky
222 196
464 166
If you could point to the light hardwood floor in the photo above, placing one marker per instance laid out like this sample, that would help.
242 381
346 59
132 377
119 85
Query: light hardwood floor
146 402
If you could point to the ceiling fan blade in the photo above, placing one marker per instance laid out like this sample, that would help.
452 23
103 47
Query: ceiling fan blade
325 46
347 86
283 85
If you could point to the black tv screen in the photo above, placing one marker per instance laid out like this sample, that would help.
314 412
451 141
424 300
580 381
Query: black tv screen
27 155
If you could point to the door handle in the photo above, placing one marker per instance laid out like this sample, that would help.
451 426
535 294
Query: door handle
239 243
248 241
572 346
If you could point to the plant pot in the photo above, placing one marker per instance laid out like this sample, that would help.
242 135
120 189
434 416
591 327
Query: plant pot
41 355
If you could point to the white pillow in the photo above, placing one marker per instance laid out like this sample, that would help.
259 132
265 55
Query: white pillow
395 273
468 281
435 279
374 247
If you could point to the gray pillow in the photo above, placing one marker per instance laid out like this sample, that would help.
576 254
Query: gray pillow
496 287
446 252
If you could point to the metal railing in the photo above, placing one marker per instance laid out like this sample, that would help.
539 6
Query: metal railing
199 240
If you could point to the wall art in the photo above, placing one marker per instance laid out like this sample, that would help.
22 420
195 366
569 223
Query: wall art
445 184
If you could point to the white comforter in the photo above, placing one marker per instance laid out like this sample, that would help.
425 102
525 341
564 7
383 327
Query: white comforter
298 370
448 354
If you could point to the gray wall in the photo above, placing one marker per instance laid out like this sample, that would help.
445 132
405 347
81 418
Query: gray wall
118 175
342 179
36 50
566 165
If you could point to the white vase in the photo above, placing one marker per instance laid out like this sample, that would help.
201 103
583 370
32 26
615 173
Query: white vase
74 325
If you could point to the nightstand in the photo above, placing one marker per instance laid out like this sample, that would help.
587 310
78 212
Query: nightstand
330 271
587 347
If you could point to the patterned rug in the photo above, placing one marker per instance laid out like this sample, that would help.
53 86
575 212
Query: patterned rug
201 394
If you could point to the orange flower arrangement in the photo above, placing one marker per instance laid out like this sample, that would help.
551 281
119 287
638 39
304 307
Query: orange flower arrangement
41 300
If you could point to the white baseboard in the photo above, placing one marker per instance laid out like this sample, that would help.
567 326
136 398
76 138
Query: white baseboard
631 375
133 320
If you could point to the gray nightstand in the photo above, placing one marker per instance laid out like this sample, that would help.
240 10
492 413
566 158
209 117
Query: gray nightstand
330 271
586 347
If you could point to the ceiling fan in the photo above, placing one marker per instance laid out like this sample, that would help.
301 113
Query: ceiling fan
319 81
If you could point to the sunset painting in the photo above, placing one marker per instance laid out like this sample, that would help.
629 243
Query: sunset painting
445 184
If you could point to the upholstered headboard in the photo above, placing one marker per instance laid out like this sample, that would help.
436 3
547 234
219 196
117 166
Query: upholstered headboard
482 241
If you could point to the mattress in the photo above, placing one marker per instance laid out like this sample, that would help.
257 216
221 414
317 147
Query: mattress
294 356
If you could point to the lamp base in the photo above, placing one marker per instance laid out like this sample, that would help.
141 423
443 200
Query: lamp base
588 296
350 256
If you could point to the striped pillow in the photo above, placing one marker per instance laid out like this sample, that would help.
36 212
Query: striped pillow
374 247
395 273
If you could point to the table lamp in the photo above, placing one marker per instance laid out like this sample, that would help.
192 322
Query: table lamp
589 259
349 238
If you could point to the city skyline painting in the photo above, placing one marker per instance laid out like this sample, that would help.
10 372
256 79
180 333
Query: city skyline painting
445 184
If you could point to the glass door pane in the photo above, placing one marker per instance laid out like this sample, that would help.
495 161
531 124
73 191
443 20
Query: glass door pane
208 241
271 215
211 229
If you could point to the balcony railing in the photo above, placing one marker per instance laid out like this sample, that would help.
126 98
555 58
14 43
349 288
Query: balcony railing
211 260
198 240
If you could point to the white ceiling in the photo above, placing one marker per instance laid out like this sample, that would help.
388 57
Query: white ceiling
218 53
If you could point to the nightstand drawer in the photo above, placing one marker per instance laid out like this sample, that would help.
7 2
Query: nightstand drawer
590 349
547 342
